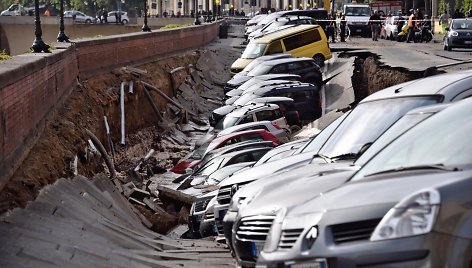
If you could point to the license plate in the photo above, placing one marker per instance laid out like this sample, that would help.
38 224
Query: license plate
256 248
318 263
467 42
358 30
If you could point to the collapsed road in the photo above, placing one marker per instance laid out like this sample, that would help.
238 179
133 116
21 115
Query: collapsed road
90 220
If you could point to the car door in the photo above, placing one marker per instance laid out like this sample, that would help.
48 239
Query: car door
304 44
296 68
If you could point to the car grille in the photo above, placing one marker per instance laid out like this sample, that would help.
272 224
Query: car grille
209 215
200 205
353 231
254 228
224 195
288 238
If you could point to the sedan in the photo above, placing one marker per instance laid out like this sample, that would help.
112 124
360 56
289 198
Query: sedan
78 16
113 15
458 34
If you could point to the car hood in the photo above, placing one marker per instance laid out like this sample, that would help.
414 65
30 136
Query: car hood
297 191
238 80
378 190
224 110
266 169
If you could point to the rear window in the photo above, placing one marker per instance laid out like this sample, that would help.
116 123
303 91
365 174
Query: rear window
301 39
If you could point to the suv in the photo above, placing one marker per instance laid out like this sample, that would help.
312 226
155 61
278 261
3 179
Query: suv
238 72
258 112
306 98
306 68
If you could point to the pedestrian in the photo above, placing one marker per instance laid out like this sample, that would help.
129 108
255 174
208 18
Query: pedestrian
411 26
242 13
330 28
374 22
400 22
444 21
343 28
105 16
47 13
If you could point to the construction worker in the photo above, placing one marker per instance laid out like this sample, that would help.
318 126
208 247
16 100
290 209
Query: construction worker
411 26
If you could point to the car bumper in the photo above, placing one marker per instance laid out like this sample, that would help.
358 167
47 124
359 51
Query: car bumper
460 42
358 28
220 211
208 228
228 222
194 222
430 250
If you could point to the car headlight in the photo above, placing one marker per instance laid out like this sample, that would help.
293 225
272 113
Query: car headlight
414 215
454 33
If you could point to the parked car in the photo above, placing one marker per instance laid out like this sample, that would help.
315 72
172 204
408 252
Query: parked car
300 41
415 212
302 184
280 133
243 82
306 98
391 28
253 113
458 34
79 16
238 72
194 157
14 10
120 16
371 117
282 23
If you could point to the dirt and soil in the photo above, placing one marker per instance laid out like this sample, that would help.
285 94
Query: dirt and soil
64 136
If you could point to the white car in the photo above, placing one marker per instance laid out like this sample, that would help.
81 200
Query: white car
112 17
391 28
14 10
79 16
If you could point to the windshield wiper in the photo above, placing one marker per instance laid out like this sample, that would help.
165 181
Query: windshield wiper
344 156
419 167
324 157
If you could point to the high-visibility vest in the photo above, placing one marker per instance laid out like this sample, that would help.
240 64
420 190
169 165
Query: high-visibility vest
410 21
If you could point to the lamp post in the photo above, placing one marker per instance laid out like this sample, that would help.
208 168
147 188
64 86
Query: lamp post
197 21
62 37
38 44
145 25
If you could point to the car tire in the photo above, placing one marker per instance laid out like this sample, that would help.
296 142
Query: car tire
87 21
319 59
124 21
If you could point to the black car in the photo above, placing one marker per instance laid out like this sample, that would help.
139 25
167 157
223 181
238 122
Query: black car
458 34
243 82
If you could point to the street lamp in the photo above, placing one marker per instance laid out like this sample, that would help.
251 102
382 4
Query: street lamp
62 37
38 44
145 26
197 21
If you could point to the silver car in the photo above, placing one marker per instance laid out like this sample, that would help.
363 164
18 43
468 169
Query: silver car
79 17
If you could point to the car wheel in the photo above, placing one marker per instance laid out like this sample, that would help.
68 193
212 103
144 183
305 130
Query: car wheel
319 59
124 21
88 21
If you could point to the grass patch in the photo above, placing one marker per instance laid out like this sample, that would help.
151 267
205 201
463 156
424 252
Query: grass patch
4 55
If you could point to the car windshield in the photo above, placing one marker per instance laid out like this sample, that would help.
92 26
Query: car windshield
253 50
442 141
226 122
259 70
199 153
357 11
210 167
245 98
368 121
315 144
462 24
273 26
402 125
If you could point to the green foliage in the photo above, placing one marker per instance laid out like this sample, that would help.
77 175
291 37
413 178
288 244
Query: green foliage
444 6
466 6
4 55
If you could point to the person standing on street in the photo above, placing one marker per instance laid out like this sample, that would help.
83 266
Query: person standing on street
374 22
343 28
444 21
411 26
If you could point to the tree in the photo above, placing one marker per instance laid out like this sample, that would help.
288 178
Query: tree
443 7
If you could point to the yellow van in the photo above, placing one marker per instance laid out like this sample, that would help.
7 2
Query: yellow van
300 41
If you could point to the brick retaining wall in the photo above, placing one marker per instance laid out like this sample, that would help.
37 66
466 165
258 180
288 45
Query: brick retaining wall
33 85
